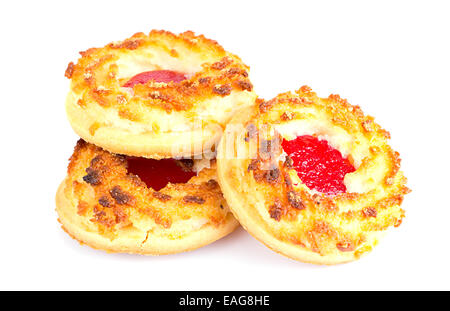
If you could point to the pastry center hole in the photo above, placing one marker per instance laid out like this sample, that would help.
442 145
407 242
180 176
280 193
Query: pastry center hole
319 166
158 173
165 76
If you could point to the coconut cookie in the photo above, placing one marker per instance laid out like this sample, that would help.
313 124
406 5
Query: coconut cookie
135 205
159 95
312 178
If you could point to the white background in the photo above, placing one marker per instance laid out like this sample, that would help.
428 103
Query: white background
389 57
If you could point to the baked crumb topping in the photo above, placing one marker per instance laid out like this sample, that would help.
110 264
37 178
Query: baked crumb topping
96 75
112 198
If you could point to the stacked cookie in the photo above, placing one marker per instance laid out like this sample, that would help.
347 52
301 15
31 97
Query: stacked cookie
312 178
150 111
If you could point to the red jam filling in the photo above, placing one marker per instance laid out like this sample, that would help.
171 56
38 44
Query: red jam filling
318 165
158 173
157 76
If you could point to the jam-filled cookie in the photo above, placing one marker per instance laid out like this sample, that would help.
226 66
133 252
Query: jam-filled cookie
312 178
159 95
126 204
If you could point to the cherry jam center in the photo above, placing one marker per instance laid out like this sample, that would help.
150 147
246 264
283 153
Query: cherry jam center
158 173
165 76
318 165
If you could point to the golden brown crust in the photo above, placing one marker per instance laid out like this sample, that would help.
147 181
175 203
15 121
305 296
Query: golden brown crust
271 202
103 205
217 84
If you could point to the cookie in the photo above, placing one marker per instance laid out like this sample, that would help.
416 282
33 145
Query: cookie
159 95
124 204
312 178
